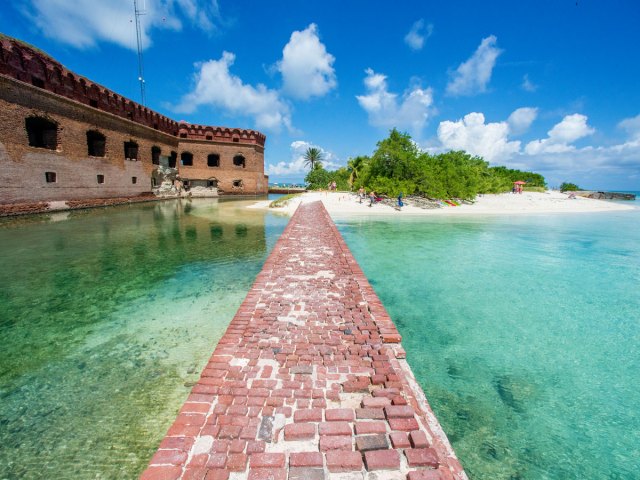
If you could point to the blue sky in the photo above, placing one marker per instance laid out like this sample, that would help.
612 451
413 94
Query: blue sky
546 85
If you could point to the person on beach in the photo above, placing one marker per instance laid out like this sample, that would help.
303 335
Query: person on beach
372 198
361 194
400 202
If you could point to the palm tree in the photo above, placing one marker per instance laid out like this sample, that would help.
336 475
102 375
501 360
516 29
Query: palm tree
313 157
355 166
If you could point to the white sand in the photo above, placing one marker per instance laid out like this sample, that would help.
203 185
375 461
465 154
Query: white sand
346 204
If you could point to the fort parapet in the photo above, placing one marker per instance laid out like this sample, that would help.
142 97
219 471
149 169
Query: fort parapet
63 136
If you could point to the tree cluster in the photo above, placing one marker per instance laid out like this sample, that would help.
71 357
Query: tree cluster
398 165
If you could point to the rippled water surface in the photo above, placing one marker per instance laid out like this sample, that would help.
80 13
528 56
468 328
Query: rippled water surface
523 332
107 317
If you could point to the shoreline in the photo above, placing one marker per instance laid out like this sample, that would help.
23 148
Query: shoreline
346 204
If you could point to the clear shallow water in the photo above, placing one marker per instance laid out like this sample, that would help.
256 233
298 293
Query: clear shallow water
523 332
107 317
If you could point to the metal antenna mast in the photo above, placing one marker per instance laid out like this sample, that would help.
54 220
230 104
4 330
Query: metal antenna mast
139 39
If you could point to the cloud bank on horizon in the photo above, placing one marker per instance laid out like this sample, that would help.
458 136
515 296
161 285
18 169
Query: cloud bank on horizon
443 105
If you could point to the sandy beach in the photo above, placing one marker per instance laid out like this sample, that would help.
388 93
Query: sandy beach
347 204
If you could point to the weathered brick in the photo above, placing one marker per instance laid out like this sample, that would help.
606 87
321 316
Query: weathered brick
339 414
267 460
344 461
306 473
334 428
335 443
399 411
382 460
404 424
364 443
363 428
418 439
310 415
305 459
399 440
267 474
297 431
422 457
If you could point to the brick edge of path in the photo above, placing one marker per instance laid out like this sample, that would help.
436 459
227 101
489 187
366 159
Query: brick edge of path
261 411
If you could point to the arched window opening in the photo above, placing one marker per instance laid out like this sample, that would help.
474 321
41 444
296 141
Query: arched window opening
155 155
96 143
131 150
239 161
42 133
213 160
186 159
212 183
237 184
173 158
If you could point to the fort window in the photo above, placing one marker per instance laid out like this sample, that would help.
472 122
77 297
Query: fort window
173 158
100 178
186 159
209 137
236 140
50 177
134 180
95 143
213 160
42 133
131 150
212 183
37 82
155 155
238 161
183 135
93 103
237 183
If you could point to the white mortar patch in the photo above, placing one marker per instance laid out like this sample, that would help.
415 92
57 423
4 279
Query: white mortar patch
203 445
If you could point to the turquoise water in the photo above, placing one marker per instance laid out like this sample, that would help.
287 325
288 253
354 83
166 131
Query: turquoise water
523 332
108 316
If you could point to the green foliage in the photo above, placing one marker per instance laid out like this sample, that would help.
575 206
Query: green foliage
569 187
319 178
398 165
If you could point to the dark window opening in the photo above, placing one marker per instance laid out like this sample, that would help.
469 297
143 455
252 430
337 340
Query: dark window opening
213 160
238 161
131 150
212 183
50 177
93 103
96 143
236 140
42 133
183 135
36 82
237 183
154 182
209 137
134 180
155 155
100 178
186 159
155 126
173 158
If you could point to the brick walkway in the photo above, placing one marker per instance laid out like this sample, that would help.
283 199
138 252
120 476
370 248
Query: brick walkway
308 381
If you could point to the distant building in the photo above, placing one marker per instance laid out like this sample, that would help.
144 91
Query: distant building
64 137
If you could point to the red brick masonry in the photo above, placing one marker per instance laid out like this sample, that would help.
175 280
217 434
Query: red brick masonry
308 381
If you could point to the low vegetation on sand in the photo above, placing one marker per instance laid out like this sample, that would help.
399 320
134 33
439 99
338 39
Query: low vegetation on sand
398 165
282 201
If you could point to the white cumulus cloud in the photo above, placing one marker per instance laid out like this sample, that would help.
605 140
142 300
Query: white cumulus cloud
472 134
571 128
418 34
387 109
215 86
631 126
521 119
85 23
472 76
306 66
296 167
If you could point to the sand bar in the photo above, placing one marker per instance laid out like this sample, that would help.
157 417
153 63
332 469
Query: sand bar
550 202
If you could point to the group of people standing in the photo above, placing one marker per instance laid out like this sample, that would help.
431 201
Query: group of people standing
362 195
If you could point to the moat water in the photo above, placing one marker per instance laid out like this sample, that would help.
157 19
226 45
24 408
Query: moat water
107 317
523 332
